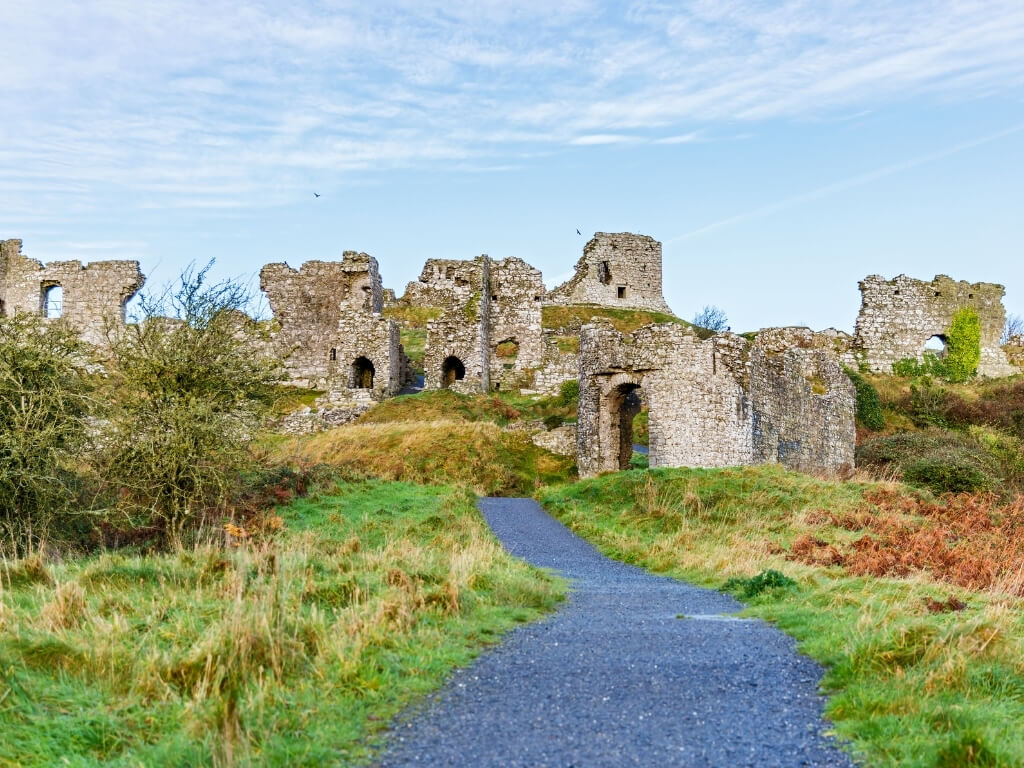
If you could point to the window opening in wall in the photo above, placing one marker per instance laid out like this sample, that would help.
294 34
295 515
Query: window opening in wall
3 311
452 370
334 354
362 374
604 273
53 301
938 293
494 297
936 345
622 291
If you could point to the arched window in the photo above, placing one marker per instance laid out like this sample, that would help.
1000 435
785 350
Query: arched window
936 345
452 370
362 374
53 301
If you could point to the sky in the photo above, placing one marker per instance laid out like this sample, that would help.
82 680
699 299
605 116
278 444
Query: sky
781 151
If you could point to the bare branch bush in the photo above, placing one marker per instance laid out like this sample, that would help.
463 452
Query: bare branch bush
194 385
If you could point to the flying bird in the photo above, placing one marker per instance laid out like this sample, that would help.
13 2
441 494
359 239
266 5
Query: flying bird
316 194
579 233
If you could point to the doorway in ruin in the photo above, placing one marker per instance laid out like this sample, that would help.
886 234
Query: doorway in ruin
452 370
624 403
936 345
362 374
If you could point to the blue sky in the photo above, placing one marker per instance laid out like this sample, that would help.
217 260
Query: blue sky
780 151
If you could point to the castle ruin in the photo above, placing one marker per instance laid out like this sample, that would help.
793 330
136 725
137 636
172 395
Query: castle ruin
778 396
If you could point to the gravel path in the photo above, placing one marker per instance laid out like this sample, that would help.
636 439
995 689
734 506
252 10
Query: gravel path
615 679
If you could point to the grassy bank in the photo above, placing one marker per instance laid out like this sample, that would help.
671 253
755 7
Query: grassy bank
479 455
290 646
911 603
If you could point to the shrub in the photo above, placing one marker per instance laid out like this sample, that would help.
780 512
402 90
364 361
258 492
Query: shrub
569 392
711 318
869 407
928 403
765 580
963 345
939 460
45 402
193 390
929 365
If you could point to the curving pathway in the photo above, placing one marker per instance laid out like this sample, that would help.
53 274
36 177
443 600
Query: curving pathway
615 679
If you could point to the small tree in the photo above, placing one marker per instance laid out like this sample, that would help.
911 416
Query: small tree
45 403
711 318
963 345
193 389
1014 327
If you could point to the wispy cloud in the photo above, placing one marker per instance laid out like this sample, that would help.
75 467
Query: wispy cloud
844 184
242 102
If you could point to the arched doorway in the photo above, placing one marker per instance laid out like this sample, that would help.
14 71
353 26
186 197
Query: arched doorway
624 403
362 374
452 370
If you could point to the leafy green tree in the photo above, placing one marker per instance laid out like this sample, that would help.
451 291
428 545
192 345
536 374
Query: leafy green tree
46 400
193 389
963 345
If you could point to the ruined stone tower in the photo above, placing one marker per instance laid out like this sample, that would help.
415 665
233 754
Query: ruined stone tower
898 317
616 270
91 298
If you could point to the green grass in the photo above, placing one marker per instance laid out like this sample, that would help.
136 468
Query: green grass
568 319
292 649
906 687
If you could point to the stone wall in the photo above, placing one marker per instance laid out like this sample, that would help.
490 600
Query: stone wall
616 270
329 325
514 315
93 296
899 316
445 283
719 402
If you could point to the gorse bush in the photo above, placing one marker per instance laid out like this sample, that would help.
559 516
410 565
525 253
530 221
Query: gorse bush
963 345
193 390
45 402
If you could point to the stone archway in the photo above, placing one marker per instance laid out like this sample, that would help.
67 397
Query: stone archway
452 370
362 374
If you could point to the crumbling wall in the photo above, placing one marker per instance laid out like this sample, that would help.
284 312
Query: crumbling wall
327 316
803 405
718 402
898 317
445 283
616 270
94 295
